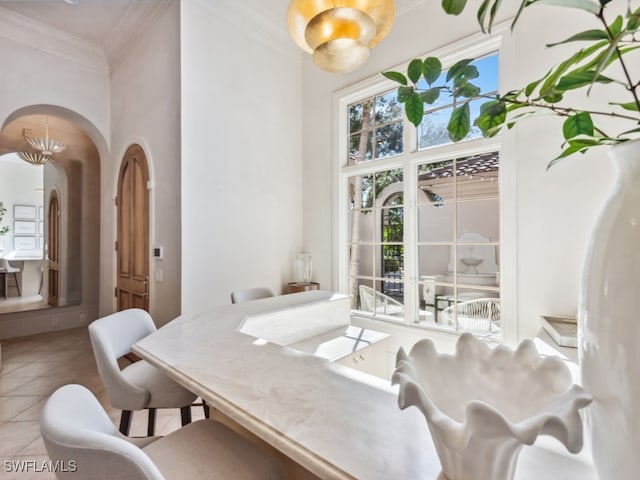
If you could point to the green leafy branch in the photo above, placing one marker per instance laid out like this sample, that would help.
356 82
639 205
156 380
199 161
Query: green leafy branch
609 45
3 230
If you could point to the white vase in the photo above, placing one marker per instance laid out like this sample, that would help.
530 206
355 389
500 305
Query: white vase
483 405
609 323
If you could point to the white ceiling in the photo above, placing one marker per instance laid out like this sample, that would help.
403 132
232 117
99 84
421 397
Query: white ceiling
108 25
91 20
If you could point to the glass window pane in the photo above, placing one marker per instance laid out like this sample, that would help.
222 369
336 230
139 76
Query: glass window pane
444 298
389 140
478 176
488 69
361 260
435 182
433 260
481 217
476 311
360 192
360 147
388 108
435 223
477 265
433 129
388 184
360 116
361 226
393 224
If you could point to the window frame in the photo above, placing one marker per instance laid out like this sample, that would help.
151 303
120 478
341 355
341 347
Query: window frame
472 47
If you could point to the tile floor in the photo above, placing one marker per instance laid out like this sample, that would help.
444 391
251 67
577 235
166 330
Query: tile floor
35 366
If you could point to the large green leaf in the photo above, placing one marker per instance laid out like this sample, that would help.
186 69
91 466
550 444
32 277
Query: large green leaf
457 67
431 69
532 86
578 124
431 95
414 71
616 27
553 97
459 123
632 106
414 108
453 7
396 77
467 90
404 93
586 5
482 14
580 78
583 36
551 78
492 116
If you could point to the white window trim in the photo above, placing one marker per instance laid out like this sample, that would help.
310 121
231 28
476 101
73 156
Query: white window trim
471 47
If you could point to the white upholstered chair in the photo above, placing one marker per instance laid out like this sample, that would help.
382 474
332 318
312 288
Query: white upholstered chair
140 385
79 436
376 302
248 294
477 315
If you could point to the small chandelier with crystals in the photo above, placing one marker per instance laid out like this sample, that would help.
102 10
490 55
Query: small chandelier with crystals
46 147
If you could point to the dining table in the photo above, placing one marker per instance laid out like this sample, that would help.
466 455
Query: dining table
332 420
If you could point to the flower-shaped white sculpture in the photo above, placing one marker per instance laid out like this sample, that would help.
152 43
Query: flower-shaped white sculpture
482 405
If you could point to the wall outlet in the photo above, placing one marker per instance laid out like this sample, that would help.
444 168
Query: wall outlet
83 317
54 322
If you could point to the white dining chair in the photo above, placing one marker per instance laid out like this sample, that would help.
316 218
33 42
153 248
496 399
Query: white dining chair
80 438
140 385
5 270
248 294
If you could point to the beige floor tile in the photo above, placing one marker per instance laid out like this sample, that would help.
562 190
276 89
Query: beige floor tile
10 407
39 386
15 436
27 356
34 448
32 413
8 367
8 384
33 369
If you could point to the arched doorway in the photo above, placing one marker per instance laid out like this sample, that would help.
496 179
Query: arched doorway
132 289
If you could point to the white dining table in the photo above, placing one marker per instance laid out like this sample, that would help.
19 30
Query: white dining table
336 422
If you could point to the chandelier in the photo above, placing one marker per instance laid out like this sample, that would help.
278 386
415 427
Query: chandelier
339 33
46 147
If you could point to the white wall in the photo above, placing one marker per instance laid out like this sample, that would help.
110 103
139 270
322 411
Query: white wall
241 152
49 72
146 110
20 184
552 212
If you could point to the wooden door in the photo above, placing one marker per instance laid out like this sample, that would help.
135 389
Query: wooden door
132 290
53 250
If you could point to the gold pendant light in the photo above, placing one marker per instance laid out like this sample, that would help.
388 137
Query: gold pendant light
339 33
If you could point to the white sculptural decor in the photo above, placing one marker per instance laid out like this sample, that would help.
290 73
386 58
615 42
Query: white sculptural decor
482 405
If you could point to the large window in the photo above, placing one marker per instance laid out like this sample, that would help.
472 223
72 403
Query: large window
422 245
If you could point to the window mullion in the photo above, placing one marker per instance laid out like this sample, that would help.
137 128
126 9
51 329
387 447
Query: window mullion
410 241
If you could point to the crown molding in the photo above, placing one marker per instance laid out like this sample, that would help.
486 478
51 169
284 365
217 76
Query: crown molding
133 23
25 31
